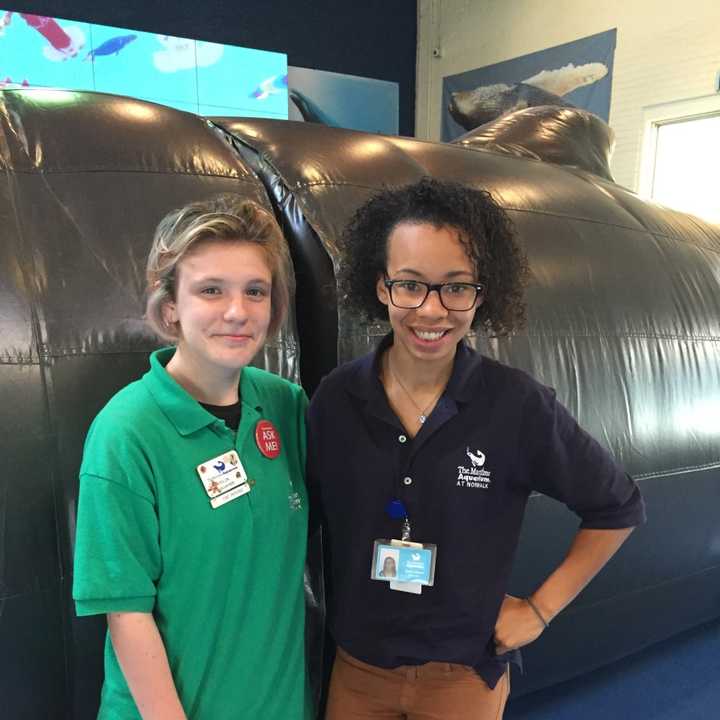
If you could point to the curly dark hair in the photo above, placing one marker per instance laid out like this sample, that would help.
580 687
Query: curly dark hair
485 230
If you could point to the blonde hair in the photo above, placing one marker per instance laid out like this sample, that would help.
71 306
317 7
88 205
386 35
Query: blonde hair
224 218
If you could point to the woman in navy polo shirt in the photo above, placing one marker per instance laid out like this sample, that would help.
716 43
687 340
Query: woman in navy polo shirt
428 450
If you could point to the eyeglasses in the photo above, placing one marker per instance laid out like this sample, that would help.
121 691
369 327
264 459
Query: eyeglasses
411 294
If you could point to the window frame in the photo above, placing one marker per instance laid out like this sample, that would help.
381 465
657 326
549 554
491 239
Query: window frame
654 116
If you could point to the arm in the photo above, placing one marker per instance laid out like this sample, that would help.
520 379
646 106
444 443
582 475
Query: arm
141 653
517 623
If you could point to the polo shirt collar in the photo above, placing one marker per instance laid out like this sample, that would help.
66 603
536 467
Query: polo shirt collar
467 374
465 379
181 409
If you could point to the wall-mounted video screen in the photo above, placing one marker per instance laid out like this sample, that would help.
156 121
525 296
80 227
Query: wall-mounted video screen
201 77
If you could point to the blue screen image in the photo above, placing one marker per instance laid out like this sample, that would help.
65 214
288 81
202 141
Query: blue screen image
194 75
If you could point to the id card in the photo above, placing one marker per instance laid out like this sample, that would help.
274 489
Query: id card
224 478
404 563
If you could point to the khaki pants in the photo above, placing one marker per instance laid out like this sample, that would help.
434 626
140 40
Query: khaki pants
434 691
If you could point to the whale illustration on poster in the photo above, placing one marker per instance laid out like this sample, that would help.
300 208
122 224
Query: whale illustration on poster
576 74
113 46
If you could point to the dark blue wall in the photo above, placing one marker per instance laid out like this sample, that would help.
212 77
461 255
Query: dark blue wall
370 38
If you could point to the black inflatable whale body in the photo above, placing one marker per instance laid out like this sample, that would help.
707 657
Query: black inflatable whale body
624 323
559 135
84 179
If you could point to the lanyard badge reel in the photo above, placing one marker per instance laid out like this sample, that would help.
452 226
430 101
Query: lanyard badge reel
405 565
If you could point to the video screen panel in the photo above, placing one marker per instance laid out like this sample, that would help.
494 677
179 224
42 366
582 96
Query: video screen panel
201 77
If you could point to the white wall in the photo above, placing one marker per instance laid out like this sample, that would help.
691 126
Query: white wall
666 51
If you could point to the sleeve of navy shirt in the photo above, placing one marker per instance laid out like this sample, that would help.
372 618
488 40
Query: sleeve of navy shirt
571 466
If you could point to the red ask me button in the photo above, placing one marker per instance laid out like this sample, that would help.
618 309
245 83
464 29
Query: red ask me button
267 439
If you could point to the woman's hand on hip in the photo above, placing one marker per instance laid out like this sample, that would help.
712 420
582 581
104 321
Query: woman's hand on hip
517 625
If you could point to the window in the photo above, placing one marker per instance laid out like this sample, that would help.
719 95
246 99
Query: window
681 156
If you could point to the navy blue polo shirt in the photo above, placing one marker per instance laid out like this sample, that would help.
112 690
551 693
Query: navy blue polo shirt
495 436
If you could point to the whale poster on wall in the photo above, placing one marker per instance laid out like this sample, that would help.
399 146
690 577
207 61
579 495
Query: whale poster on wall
201 77
576 74
346 101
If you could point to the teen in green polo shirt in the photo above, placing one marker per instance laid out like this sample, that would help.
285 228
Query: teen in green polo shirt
192 515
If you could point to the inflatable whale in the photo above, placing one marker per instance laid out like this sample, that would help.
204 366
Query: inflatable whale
624 321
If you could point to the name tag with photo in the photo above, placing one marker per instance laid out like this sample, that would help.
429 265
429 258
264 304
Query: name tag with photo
404 563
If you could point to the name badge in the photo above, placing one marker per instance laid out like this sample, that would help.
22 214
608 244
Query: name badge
224 478
405 565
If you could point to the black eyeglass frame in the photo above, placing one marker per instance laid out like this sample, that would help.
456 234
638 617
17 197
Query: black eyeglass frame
429 287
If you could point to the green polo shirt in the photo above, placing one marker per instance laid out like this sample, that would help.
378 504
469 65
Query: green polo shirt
224 585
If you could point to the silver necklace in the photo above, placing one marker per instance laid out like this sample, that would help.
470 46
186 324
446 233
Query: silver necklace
423 416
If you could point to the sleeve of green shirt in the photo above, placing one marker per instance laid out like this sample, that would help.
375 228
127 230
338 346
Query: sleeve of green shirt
117 551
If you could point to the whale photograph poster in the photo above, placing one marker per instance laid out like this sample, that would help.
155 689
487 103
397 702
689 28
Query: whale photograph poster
201 77
346 101
575 74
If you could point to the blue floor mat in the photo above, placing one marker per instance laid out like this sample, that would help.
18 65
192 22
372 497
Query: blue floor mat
678 679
